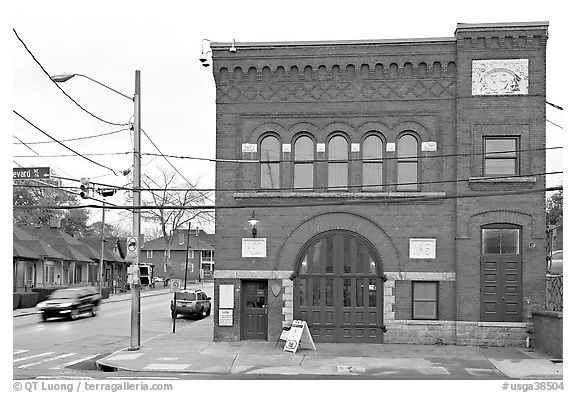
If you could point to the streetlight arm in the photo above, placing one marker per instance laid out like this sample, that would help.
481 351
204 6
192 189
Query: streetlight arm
65 77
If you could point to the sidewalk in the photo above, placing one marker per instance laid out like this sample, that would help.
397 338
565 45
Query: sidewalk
191 350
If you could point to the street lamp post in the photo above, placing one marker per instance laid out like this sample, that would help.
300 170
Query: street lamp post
134 287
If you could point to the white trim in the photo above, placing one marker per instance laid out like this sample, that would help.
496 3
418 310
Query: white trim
421 276
267 274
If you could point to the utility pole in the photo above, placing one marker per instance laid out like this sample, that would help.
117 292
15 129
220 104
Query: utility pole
187 247
135 287
102 250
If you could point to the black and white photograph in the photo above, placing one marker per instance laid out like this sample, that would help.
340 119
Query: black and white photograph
235 195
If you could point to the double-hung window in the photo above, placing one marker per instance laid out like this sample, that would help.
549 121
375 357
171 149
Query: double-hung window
424 300
304 164
372 164
270 163
338 163
501 156
407 163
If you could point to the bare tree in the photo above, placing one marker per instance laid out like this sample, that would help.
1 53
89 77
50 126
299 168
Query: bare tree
165 190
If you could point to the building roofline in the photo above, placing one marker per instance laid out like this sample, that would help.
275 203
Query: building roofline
461 26
272 44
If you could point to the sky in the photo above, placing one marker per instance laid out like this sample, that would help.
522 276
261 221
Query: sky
110 40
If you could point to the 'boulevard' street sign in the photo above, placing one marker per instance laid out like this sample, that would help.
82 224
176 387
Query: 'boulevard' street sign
31 173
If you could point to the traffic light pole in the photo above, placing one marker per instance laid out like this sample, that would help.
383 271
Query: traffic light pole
135 287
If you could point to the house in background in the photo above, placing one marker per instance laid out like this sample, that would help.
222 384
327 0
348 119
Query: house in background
169 260
48 257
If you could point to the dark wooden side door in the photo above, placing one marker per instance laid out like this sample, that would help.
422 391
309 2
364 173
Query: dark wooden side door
501 290
254 319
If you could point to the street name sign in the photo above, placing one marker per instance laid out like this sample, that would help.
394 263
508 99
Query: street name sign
31 173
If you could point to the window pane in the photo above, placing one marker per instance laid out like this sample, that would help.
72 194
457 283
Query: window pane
424 310
407 147
303 292
346 292
372 148
270 149
329 254
490 241
338 148
510 239
316 292
304 265
360 258
425 291
303 149
360 293
501 147
347 254
329 292
372 292
372 176
270 175
303 176
372 265
500 166
407 173
338 175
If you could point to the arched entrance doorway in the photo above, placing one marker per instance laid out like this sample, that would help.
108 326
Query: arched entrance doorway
338 288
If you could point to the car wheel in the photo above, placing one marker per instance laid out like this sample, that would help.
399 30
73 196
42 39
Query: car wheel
94 311
208 312
74 314
44 317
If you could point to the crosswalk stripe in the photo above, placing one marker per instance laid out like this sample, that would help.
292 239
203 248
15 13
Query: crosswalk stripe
74 362
19 351
32 357
64 355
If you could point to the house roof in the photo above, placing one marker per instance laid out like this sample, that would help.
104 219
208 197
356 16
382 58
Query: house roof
35 243
204 241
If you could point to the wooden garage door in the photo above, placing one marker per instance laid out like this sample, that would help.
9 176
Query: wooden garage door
338 289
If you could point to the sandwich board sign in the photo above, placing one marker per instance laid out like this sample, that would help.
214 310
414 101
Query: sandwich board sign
298 335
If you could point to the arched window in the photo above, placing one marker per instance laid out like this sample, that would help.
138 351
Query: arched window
372 164
270 162
407 157
338 163
304 164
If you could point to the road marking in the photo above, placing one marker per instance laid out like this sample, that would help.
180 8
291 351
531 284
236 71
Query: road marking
64 355
166 366
19 351
74 362
32 357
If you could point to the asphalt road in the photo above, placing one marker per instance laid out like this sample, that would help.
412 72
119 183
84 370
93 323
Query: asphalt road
60 347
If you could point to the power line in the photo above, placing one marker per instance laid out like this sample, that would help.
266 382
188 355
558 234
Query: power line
72 150
66 94
74 155
327 188
177 171
75 139
390 200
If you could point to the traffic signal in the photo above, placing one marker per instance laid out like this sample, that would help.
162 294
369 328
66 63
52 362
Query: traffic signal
84 187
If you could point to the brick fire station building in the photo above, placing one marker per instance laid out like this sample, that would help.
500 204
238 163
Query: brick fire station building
397 187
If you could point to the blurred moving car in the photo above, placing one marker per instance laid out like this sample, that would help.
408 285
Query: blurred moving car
555 265
191 302
70 303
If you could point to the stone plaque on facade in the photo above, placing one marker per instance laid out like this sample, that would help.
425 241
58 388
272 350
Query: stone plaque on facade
254 247
429 146
286 148
354 147
249 148
499 77
320 148
423 248
390 147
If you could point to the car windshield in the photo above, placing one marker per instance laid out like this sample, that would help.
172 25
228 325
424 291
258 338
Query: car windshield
185 296
63 294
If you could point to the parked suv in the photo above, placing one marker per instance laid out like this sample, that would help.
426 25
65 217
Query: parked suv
70 303
191 302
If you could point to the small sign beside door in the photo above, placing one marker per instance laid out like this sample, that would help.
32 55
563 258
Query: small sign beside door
225 317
